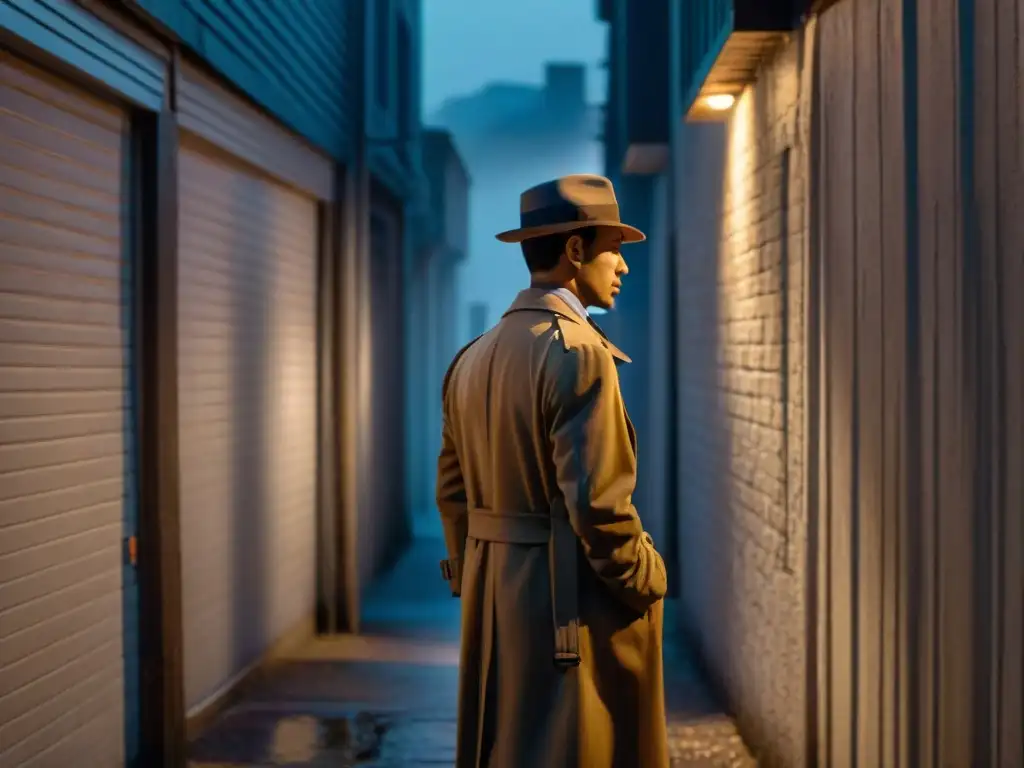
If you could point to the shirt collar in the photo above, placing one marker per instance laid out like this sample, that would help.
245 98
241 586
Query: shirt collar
569 298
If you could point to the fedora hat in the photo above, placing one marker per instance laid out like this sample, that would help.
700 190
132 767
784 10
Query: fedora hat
567 204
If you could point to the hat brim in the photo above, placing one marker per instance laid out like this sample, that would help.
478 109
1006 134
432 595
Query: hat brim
629 234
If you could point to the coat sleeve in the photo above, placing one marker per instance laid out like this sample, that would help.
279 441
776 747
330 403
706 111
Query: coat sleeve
596 472
451 496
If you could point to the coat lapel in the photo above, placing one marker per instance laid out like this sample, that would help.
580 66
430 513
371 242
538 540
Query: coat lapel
540 300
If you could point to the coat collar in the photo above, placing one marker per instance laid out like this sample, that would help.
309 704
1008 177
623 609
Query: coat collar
541 300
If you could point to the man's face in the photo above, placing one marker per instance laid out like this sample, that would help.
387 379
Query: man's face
600 271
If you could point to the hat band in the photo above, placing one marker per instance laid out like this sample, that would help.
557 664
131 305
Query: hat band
564 213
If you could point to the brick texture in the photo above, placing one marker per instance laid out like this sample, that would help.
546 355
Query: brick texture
741 231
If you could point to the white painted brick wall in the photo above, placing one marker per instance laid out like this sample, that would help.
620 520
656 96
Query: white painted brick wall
742 532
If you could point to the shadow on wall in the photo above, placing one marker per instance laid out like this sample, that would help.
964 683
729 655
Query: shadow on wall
705 527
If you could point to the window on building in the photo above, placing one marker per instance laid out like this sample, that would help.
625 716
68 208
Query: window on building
382 51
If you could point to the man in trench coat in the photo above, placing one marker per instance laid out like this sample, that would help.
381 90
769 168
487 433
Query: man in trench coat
561 587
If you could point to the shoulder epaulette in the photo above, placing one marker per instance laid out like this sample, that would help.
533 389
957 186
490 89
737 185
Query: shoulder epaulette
560 332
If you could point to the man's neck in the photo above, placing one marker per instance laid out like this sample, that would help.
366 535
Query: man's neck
550 285
569 296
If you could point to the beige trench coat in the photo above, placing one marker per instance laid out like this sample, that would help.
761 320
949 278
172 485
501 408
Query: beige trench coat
534 423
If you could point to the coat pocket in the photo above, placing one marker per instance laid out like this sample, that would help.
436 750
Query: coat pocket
632 432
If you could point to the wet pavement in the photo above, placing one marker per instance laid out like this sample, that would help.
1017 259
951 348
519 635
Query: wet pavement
387 697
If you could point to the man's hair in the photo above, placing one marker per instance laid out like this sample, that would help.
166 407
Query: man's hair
542 253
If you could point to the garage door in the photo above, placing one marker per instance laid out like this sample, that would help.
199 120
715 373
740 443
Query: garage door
64 413
247 340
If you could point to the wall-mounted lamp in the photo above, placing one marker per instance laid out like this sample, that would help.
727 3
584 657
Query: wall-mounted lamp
720 102
731 39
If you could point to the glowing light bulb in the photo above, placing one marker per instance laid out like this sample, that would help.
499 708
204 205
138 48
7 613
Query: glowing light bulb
720 101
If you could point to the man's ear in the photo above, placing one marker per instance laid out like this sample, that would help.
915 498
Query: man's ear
575 251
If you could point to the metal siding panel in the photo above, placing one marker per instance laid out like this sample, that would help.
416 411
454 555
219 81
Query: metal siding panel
1011 261
211 111
296 61
65 468
869 470
247 356
78 38
951 244
999 184
945 459
838 317
985 147
1010 707
893 406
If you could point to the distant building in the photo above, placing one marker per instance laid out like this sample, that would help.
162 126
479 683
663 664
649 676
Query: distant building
513 136
565 91
432 307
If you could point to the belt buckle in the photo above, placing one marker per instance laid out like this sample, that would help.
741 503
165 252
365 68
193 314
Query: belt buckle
567 660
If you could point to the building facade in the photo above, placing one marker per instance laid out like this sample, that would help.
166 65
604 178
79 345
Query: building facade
636 132
846 368
207 212
433 306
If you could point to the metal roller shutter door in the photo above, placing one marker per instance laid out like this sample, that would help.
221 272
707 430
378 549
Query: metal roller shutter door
247 345
64 409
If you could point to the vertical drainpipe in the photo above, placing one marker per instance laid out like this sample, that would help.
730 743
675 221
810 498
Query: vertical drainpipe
356 323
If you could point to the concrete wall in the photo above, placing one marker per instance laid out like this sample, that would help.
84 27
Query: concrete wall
741 238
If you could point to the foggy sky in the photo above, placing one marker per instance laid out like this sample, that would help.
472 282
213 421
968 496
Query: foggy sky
469 43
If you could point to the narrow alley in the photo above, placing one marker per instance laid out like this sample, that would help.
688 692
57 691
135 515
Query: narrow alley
242 241
387 696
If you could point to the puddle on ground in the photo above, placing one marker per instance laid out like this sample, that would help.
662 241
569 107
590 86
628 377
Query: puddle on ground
358 738
259 739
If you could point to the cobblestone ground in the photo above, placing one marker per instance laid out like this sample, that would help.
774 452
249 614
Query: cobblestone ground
387 697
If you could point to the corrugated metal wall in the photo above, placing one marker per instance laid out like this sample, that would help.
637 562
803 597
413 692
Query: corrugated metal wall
66 464
293 59
921 180
865 377
995 224
247 340
78 38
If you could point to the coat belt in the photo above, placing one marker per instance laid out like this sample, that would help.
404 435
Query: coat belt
536 529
